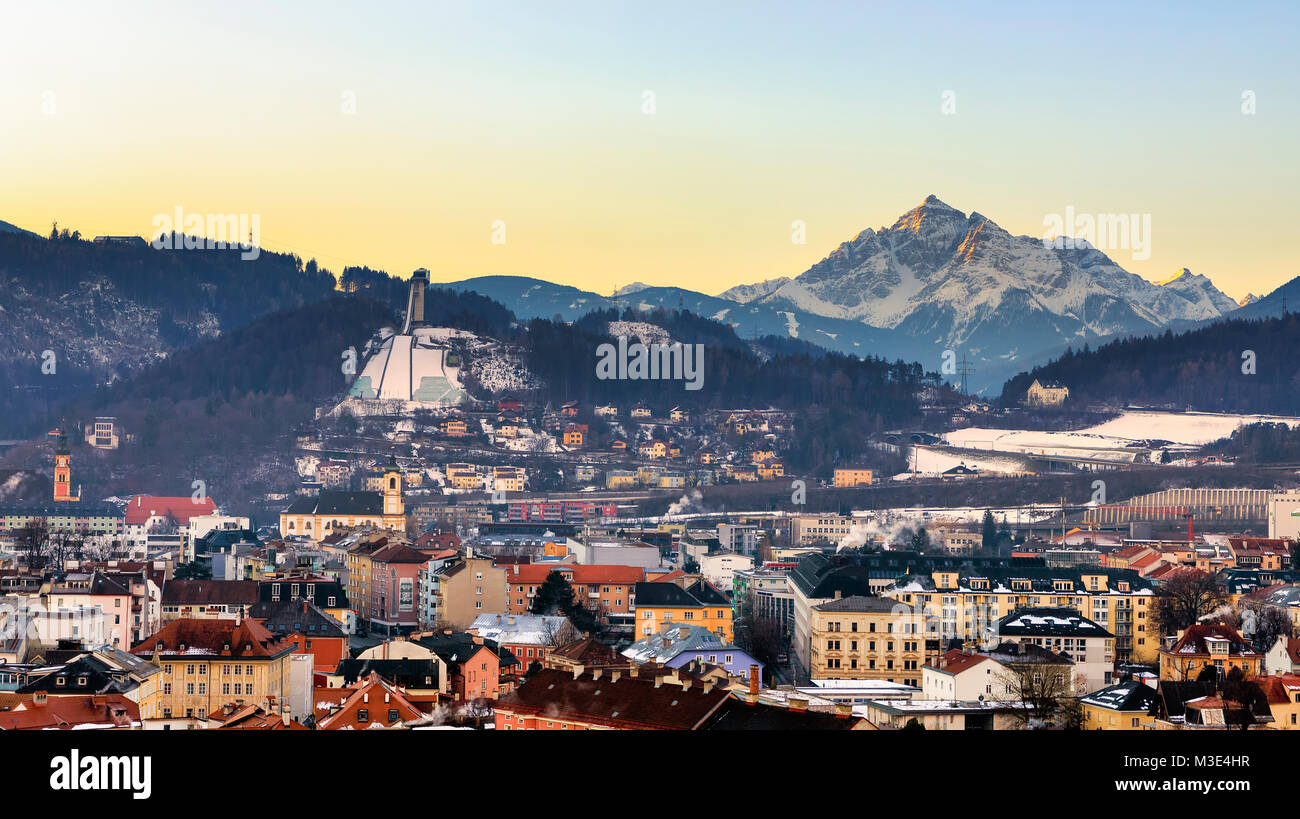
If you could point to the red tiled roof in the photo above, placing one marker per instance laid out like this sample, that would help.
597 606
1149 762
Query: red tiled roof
1146 560
255 718
193 592
107 710
956 661
372 693
399 553
247 639
143 507
1279 688
1130 552
580 573
1193 640
629 702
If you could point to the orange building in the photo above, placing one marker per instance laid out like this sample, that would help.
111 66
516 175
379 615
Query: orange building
850 476
601 589
1196 647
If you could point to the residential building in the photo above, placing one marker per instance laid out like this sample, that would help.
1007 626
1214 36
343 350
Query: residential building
1063 631
208 599
372 702
1046 394
530 637
867 638
849 476
604 590
678 645
1185 655
963 676
1120 707
658 604
806 530
208 663
467 589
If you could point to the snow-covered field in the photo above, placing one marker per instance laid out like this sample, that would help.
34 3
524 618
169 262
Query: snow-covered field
929 461
1115 439
1191 428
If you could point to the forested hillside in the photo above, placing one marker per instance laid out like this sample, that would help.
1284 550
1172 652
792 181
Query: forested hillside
1231 366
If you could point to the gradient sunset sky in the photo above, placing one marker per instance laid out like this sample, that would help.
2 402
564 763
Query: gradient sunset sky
764 113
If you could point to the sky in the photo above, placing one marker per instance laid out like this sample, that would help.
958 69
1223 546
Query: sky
691 144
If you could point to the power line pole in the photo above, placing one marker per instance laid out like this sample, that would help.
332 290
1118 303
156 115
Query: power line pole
964 369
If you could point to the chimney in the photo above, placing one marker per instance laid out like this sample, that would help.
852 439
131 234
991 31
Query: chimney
843 710
659 680
836 595
39 698
754 682
595 673
798 704
614 674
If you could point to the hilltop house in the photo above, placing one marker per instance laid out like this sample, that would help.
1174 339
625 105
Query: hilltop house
1046 394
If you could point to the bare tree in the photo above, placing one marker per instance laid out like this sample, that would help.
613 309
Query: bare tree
1185 598
1043 688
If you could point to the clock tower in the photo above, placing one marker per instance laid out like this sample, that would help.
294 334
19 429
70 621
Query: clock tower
63 470
393 506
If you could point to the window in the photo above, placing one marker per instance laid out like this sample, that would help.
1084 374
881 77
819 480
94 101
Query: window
363 715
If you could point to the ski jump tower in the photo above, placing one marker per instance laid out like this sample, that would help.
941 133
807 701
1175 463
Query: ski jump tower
415 300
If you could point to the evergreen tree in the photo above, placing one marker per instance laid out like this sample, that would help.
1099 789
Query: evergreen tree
990 532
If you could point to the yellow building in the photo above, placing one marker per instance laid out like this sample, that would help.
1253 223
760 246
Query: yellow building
1120 707
1283 693
1049 394
207 664
961 606
770 470
867 638
850 476
463 476
620 479
508 478
317 516
700 604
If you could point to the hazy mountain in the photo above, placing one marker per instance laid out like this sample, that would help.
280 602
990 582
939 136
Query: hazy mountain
534 298
745 293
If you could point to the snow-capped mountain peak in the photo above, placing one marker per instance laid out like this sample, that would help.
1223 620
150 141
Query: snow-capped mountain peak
629 289
745 293
1199 290
956 280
